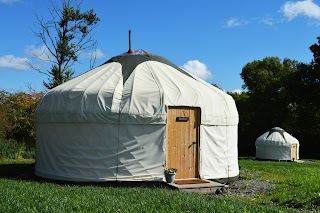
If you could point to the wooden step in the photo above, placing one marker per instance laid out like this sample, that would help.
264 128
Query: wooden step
198 185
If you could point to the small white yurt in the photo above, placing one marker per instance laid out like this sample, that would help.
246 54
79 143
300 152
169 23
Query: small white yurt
277 144
131 117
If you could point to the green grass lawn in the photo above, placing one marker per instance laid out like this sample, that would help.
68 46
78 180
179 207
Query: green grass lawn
298 184
19 192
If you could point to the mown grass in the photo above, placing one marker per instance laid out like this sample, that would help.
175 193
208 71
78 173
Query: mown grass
298 184
46 197
21 193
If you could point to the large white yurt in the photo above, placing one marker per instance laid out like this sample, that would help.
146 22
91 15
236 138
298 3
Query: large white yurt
277 144
130 118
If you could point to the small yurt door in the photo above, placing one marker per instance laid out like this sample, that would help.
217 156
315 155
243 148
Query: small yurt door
294 152
183 138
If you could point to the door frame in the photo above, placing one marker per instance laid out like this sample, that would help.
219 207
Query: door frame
198 120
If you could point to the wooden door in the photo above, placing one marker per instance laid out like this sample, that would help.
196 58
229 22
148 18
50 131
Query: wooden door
183 138
294 152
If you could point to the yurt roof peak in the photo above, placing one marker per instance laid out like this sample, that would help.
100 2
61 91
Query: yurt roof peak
130 61
277 129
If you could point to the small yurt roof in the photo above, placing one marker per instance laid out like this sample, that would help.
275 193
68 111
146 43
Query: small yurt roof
276 137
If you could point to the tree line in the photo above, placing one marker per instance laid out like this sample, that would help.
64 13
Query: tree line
283 93
277 92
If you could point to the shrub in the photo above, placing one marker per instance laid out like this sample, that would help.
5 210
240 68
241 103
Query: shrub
17 116
11 149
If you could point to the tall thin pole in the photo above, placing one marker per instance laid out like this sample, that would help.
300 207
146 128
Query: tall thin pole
129 39
130 51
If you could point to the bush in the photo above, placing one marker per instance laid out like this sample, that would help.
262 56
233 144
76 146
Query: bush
17 112
11 149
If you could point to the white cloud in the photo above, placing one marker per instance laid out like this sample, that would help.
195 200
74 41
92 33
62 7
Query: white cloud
7 1
239 91
198 69
301 8
13 62
96 54
267 21
41 53
44 54
236 22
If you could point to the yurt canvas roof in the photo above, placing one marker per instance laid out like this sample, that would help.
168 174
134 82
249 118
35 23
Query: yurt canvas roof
139 86
276 137
110 123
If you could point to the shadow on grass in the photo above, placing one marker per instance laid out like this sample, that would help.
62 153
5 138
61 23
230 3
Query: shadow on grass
17 170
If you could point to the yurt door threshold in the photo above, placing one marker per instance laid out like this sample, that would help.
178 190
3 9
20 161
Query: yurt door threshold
198 185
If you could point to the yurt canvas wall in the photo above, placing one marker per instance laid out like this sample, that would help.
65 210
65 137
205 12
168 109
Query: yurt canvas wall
131 117
277 144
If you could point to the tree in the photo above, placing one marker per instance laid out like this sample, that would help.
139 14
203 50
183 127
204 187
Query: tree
305 91
266 81
58 77
247 132
308 78
267 75
65 36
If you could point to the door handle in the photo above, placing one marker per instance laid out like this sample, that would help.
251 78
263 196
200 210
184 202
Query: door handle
192 144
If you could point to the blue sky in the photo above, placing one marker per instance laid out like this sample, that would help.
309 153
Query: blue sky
212 39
